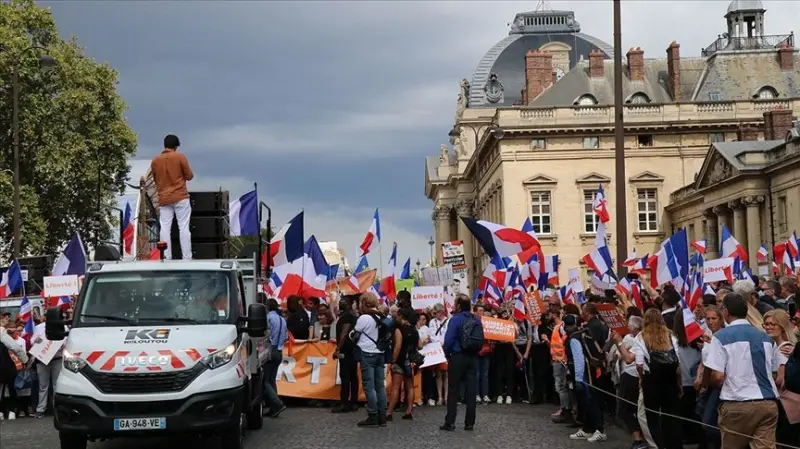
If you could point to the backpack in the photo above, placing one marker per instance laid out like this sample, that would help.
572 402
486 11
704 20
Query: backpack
592 350
663 364
8 366
384 341
471 335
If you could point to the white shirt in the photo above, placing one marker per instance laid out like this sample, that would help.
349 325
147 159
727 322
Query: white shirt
748 358
630 342
424 332
435 333
369 329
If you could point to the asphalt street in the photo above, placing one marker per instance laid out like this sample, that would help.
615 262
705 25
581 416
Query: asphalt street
498 426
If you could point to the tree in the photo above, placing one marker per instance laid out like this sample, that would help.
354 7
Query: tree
241 242
73 134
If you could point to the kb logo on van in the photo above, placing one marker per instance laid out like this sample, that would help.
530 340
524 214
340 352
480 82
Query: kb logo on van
155 360
147 336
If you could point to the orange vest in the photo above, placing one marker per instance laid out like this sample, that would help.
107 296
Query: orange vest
557 345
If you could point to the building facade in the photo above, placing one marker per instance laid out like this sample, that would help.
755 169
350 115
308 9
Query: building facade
543 153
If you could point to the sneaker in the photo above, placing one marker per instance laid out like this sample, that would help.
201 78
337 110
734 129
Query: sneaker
580 435
597 437
559 412
499 399
276 412
371 421
431 403
508 400
478 399
419 403
486 400
39 415
12 415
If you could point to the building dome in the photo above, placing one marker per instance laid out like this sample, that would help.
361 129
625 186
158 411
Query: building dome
745 5
500 76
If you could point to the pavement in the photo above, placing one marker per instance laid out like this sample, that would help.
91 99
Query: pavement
497 426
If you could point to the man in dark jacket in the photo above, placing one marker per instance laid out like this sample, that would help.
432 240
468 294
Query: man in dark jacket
462 367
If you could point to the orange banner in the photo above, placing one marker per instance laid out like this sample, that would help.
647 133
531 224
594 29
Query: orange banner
313 373
366 279
534 307
498 330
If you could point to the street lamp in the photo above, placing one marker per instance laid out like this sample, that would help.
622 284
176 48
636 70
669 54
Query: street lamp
431 242
45 61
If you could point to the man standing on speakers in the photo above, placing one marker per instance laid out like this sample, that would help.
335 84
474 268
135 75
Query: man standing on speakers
170 172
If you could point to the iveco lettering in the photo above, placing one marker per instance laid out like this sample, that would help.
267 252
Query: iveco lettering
153 360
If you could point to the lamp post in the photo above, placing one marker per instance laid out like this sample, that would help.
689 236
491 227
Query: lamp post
44 61
431 242
619 151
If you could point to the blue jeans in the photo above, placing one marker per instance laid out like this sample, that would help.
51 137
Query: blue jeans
711 416
483 375
373 381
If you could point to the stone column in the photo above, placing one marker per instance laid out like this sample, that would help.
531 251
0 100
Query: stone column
753 204
442 217
712 234
739 229
722 220
465 209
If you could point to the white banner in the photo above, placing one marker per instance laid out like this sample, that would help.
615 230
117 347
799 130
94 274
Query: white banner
575 283
718 270
434 354
57 286
45 350
425 297
438 275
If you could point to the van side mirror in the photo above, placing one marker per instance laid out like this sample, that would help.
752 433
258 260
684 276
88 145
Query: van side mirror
54 325
256 320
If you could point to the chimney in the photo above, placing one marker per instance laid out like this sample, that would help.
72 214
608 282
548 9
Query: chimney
786 57
674 70
777 123
538 74
636 64
746 133
597 64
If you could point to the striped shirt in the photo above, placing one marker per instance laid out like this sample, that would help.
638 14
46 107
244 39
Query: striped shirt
747 356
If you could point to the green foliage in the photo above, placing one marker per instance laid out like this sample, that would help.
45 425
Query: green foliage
240 242
73 133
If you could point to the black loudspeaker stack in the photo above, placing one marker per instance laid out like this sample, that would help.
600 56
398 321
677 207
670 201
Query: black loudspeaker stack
208 226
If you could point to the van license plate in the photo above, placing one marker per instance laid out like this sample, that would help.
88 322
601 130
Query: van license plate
140 424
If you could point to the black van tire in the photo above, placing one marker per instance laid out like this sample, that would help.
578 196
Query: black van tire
71 440
255 417
233 437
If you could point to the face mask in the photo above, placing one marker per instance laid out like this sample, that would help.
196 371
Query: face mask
761 294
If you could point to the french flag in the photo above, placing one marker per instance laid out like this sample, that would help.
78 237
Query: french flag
128 231
306 276
488 276
663 266
708 290
534 252
287 245
599 260
793 246
11 280
567 295
363 265
601 205
695 290
499 239
274 284
693 329
549 269
373 235
763 254
632 259
243 215
62 302
730 246
72 260
26 314
519 310
406 273
640 265
388 286
636 294
700 245
333 271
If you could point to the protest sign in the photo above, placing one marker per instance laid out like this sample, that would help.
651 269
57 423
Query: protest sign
718 270
453 254
45 350
57 286
613 318
534 307
498 330
434 354
425 297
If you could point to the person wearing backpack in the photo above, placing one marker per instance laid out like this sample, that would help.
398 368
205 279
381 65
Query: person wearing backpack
462 343
370 338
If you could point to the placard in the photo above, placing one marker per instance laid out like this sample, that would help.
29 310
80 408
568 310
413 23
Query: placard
434 354
425 297
453 254
575 284
460 281
763 270
45 350
718 270
438 275
534 307
613 318
57 286
498 330
404 284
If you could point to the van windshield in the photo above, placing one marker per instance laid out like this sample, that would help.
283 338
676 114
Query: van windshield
155 297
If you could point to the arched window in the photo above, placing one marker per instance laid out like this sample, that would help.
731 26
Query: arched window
586 100
639 98
767 93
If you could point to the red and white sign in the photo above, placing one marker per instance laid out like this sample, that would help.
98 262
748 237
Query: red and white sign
718 270
425 297
57 286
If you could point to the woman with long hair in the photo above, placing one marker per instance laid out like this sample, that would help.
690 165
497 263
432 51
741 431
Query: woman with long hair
659 371
406 339
779 326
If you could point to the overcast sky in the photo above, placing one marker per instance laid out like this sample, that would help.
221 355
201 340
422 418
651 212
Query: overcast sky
332 106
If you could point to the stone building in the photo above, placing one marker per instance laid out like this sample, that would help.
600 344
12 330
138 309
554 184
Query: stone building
542 153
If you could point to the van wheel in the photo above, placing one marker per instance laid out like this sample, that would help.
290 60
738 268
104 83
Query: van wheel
72 440
255 418
233 438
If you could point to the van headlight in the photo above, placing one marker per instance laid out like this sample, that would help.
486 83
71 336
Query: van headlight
221 357
71 362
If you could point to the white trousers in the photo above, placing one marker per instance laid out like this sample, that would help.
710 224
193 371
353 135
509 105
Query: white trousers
182 210
643 422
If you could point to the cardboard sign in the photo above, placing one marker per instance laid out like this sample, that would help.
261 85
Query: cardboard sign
613 318
453 254
438 275
498 330
534 307
57 286
45 350
575 283
425 297
311 372
434 354
718 270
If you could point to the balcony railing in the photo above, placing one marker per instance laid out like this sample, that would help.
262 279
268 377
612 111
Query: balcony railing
749 43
